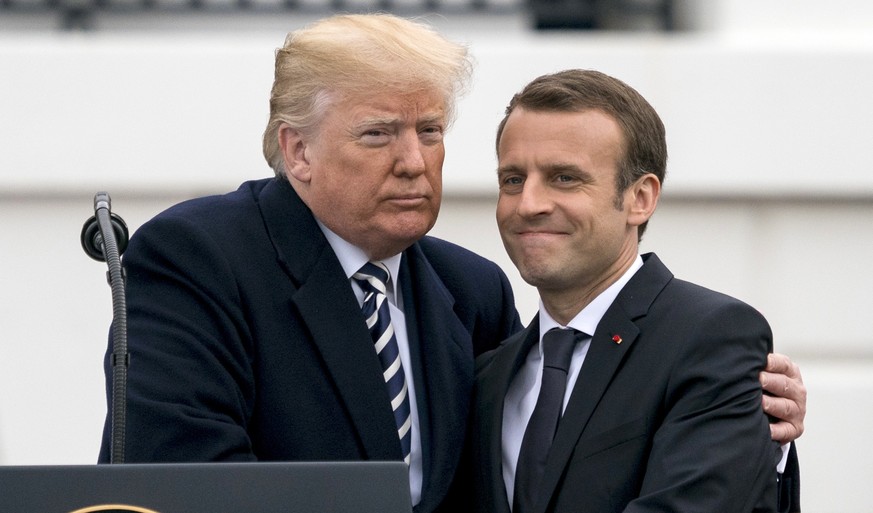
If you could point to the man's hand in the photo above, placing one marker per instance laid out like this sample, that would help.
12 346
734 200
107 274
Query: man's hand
787 400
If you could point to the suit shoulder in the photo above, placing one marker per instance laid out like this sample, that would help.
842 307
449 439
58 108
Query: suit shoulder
450 259
229 221
216 207
694 308
435 247
483 296
656 294
229 215
697 296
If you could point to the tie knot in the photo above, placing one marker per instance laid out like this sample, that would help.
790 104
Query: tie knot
372 277
558 347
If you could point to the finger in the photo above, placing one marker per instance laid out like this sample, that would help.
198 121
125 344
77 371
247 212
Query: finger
779 385
783 432
781 408
786 412
778 363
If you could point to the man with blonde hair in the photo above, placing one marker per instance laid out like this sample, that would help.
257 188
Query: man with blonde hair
307 316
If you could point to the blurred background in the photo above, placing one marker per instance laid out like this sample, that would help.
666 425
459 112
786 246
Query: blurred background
769 193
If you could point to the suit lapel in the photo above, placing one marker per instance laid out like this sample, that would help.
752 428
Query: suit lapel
493 379
338 330
441 351
326 303
601 363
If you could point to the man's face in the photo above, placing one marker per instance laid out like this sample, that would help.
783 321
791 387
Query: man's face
372 173
562 222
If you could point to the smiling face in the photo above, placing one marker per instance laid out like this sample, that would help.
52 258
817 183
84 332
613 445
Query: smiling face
564 225
372 172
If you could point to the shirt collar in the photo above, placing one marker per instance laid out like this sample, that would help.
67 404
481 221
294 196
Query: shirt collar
587 320
352 258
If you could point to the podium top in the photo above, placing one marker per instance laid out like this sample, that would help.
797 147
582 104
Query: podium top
274 487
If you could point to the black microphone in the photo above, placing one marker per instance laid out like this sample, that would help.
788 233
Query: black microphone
92 237
104 237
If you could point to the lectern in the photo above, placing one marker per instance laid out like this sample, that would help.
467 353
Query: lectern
275 487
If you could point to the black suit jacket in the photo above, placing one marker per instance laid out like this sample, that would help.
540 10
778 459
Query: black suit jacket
669 419
247 343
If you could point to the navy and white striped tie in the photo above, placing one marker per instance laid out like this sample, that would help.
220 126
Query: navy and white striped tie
373 278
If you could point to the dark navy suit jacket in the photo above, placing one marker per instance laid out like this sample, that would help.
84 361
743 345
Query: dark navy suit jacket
669 419
247 343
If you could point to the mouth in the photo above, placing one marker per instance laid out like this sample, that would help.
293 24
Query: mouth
408 200
537 232
538 236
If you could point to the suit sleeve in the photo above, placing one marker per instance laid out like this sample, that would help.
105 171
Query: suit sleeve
190 380
712 450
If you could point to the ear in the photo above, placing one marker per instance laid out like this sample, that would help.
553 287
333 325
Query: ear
295 153
643 198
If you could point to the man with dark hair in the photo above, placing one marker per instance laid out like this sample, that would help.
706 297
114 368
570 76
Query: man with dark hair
631 391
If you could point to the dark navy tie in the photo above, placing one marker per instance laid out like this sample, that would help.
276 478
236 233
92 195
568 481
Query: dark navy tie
558 347
373 278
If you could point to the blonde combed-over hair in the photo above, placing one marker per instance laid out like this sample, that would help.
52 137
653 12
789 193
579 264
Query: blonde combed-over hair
354 55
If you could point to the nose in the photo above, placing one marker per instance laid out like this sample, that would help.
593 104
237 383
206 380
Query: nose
533 200
410 158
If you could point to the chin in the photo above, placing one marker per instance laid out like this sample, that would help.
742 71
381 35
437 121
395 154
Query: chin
412 227
535 277
393 242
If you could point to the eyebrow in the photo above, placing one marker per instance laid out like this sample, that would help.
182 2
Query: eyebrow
375 121
564 166
435 117
502 170
553 167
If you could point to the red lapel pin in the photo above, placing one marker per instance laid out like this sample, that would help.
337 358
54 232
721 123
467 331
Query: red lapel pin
616 339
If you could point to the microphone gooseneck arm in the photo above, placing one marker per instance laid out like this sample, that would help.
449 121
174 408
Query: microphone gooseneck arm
102 244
